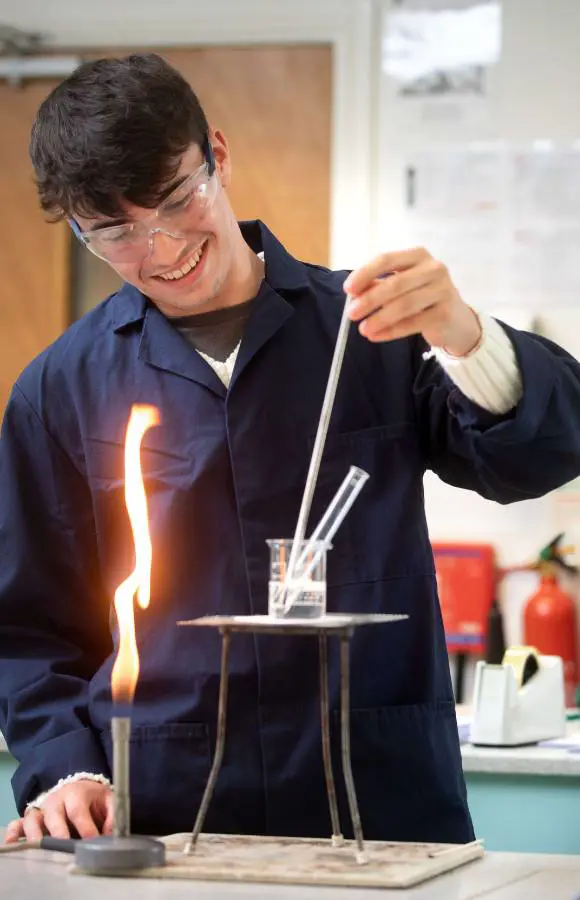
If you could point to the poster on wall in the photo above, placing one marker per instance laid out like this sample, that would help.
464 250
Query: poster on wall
545 219
504 218
438 54
457 182
443 180
457 210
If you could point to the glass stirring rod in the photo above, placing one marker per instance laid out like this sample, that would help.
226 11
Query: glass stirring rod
321 432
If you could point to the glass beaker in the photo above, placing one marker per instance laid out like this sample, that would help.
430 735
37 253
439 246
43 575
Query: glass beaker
304 595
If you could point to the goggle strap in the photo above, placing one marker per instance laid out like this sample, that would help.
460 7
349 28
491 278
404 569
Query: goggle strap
76 230
209 156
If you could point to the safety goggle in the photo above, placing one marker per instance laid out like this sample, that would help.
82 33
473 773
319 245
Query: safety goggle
131 241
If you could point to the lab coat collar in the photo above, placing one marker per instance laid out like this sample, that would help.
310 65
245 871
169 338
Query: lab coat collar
283 273
163 347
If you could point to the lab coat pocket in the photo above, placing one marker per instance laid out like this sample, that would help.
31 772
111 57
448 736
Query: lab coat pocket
408 774
170 765
166 476
105 463
378 538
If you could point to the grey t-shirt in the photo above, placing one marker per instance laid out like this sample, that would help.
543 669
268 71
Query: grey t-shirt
216 333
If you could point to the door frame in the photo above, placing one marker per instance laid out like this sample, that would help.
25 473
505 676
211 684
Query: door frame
349 26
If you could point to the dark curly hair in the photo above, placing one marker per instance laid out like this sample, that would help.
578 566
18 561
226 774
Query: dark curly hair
113 130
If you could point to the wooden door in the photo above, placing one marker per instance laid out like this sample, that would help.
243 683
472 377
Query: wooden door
33 257
274 106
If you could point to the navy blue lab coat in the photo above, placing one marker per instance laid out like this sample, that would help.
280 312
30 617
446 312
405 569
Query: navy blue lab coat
224 472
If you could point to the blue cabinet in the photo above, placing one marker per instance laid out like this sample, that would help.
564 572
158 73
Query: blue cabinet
524 812
7 808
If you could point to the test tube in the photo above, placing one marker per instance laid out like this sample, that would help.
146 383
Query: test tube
328 526
340 505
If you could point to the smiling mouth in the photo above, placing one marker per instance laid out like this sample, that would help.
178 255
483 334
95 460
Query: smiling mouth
191 262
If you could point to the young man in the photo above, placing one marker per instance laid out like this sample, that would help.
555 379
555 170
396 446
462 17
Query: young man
232 338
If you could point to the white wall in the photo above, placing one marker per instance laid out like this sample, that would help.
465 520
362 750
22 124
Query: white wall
174 22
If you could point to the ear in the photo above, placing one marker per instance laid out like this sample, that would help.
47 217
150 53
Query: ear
221 153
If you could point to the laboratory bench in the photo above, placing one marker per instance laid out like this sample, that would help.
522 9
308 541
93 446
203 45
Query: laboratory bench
498 876
522 800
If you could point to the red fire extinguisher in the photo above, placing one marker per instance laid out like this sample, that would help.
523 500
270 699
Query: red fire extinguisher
550 615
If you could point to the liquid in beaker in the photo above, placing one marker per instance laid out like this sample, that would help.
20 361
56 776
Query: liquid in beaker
304 596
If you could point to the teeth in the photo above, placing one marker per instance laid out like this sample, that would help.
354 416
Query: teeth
186 267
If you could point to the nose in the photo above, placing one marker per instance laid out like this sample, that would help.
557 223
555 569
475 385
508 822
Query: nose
165 247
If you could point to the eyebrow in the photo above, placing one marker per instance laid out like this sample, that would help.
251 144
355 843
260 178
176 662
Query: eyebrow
110 223
123 220
173 187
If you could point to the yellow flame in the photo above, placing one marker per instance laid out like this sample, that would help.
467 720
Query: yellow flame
126 668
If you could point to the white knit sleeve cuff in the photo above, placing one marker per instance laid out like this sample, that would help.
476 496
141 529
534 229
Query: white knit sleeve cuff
490 376
38 803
